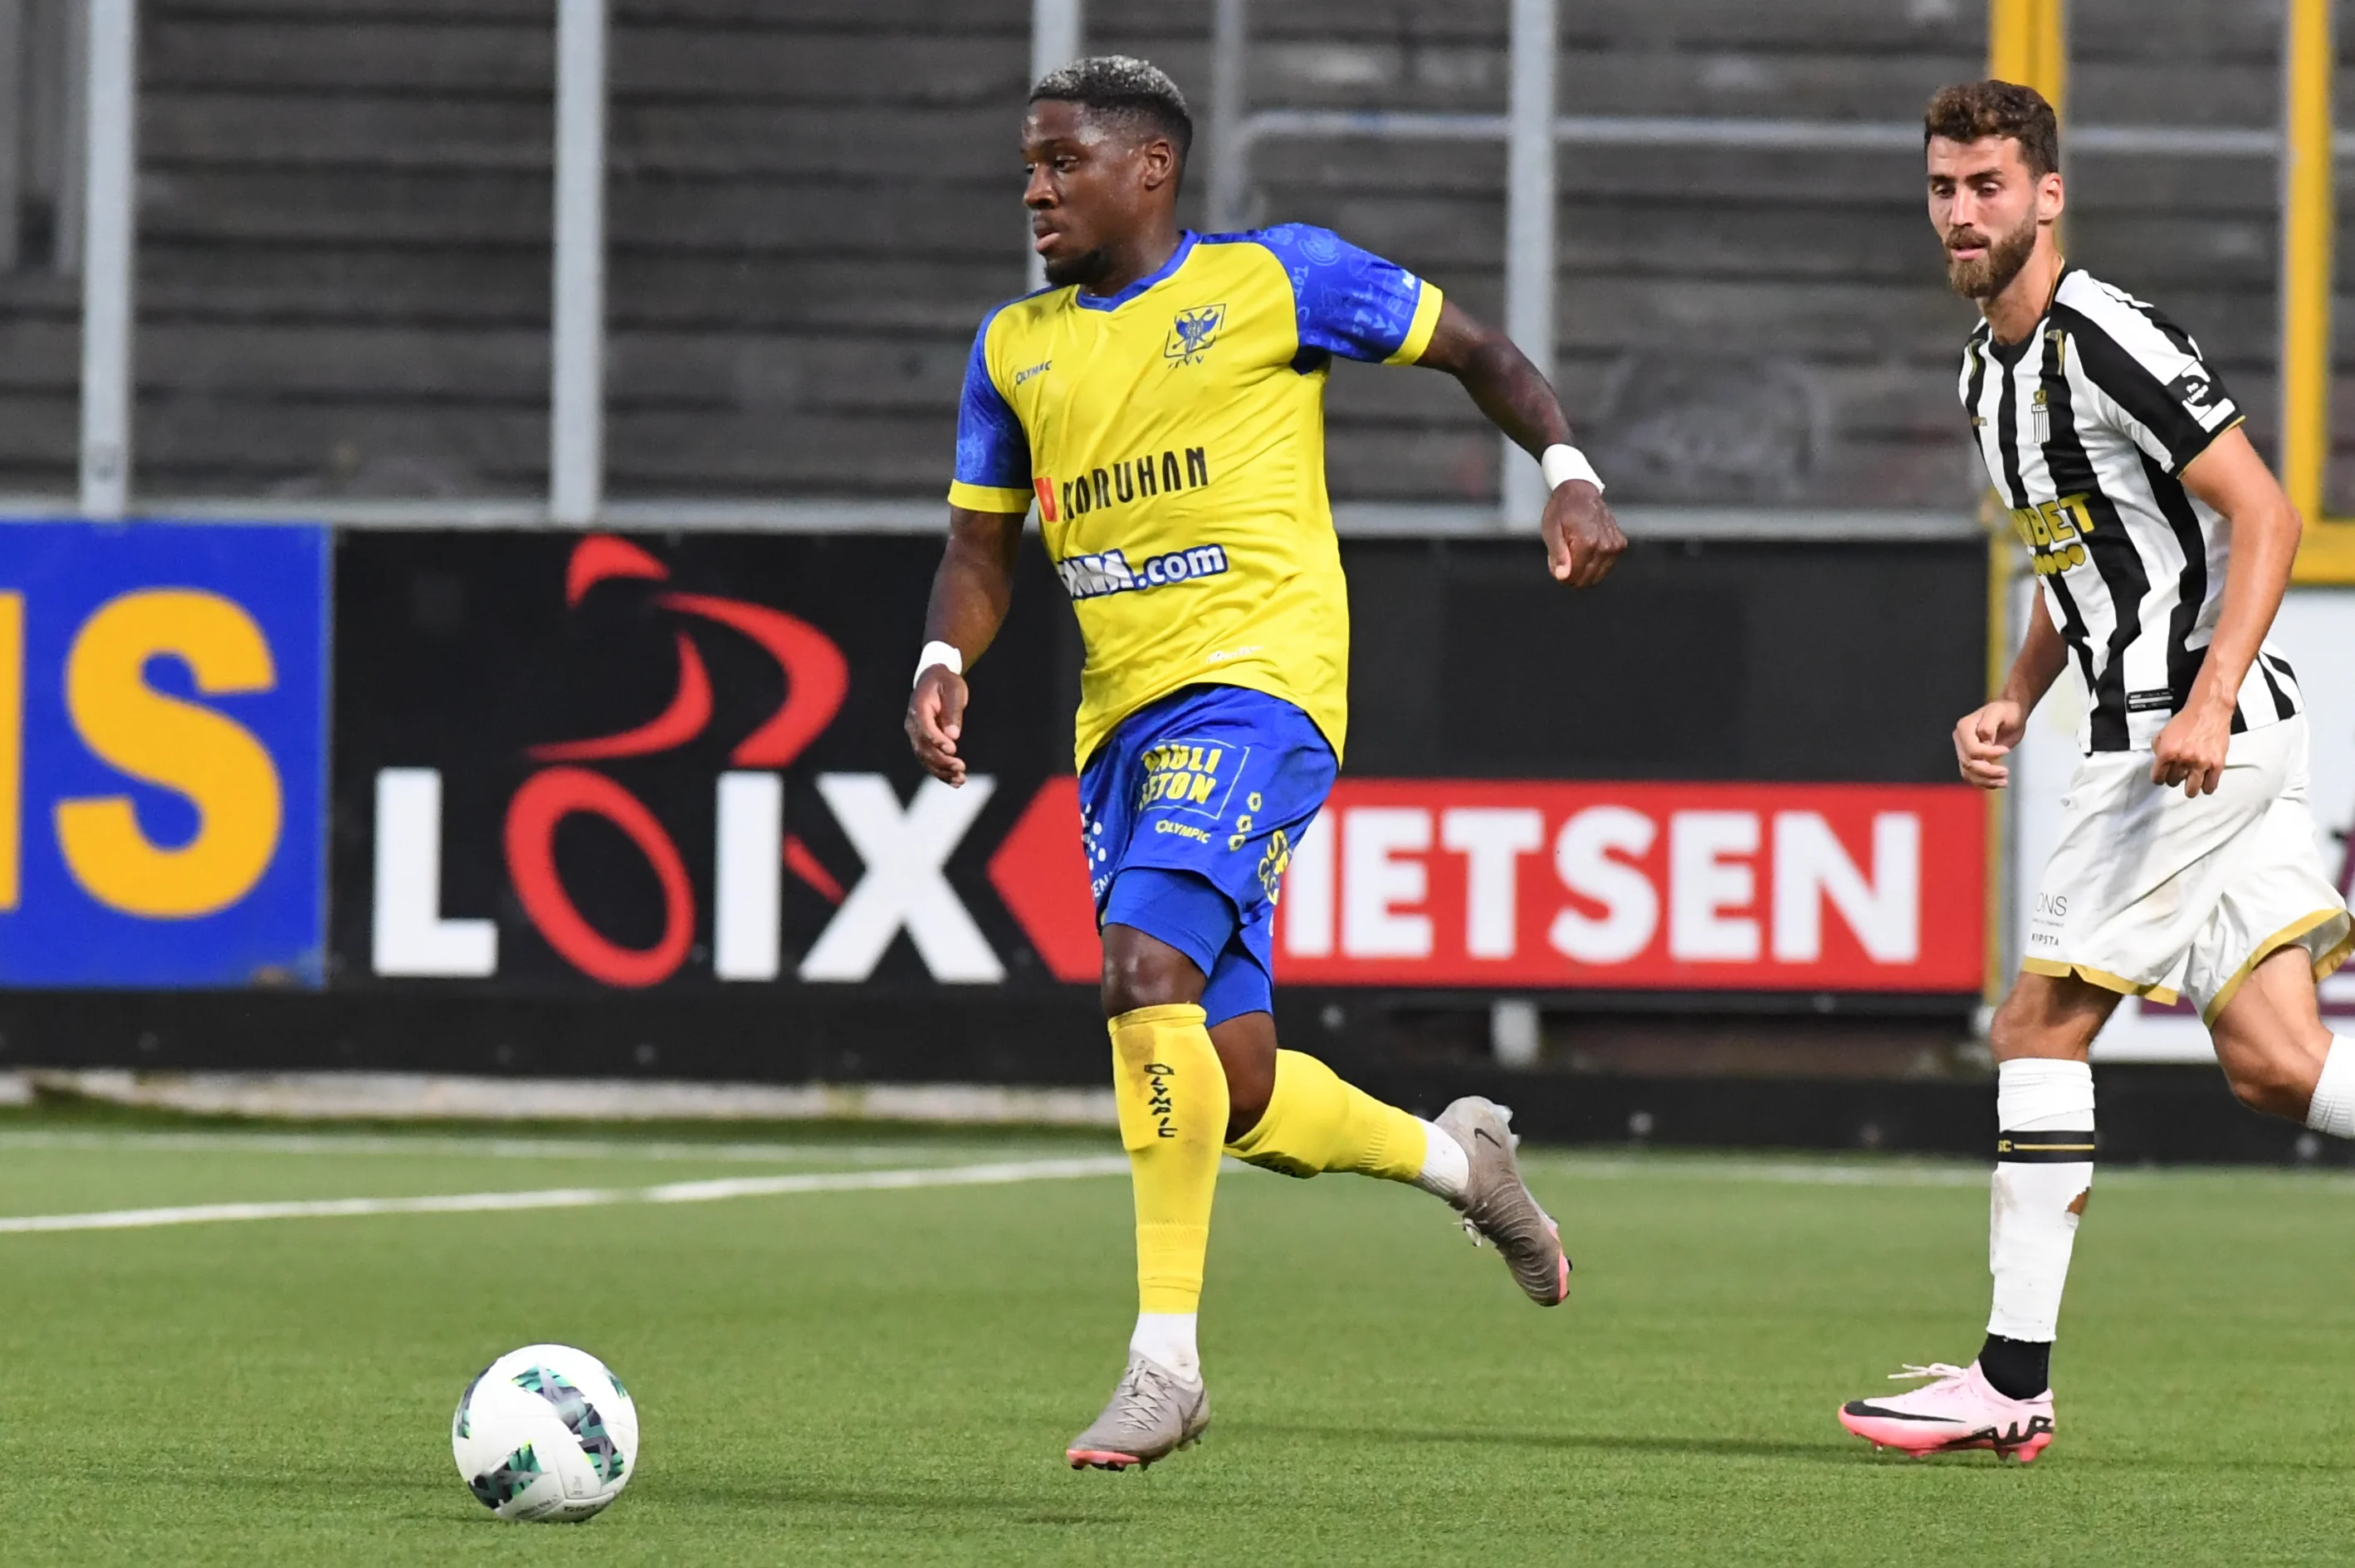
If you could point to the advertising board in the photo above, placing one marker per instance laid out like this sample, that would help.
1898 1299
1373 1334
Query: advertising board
1461 883
569 763
163 713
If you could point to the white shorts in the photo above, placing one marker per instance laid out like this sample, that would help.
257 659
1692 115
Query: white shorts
2151 894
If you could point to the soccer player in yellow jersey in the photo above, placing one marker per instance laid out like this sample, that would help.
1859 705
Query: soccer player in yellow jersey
1162 403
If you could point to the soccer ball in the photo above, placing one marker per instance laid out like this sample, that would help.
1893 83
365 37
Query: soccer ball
547 1434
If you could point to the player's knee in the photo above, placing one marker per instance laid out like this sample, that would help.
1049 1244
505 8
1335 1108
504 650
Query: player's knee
1146 974
2019 1030
1249 1089
2048 1020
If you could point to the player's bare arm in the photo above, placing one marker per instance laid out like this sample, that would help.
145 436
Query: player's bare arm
1583 538
2231 477
970 593
1986 735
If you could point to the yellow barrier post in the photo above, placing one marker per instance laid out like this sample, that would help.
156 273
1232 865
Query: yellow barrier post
2328 554
2003 560
2305 254
2027 42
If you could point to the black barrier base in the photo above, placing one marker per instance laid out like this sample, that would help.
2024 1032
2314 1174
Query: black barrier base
2148 1114
1050 1038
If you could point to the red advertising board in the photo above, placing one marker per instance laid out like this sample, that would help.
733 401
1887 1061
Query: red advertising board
1445 882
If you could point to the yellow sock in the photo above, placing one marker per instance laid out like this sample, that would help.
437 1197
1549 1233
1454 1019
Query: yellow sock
1315 1123
1172 1095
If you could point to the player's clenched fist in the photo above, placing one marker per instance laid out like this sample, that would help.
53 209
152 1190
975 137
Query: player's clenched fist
1583 538
1984 737
2191 750
935 720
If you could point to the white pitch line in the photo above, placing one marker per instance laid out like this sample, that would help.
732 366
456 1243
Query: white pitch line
145 1141
580 1197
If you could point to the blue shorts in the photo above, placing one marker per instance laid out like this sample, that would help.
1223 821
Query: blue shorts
1189 813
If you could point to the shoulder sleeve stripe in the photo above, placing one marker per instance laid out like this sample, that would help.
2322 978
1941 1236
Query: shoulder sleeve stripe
1349 302
1419 330
987 497
2133 326
2183 415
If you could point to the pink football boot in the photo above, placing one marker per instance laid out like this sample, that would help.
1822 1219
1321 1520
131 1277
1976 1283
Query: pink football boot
1961 1410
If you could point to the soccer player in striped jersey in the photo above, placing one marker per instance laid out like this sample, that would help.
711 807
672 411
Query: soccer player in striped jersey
2187 865
1162 400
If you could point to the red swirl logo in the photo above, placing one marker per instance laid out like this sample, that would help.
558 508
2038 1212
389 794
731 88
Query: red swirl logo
817 677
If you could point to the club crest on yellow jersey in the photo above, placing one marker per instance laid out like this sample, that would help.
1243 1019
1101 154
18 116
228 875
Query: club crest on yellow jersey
1193 333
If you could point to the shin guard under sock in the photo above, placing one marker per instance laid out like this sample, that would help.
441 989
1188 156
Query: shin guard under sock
1315 1122
1172 1095
2043 1174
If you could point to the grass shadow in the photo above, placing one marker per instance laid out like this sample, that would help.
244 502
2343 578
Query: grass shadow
1817 1451
1828 1450
967 1504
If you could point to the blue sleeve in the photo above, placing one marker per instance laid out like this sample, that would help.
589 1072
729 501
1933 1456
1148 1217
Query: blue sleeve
1351 301
993 452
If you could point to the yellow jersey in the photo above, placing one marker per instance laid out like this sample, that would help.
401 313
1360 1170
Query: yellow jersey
1173 437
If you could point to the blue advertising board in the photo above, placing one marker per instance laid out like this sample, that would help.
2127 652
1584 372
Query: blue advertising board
163 754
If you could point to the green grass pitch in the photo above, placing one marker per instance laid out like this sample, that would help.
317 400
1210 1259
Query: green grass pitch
888 1377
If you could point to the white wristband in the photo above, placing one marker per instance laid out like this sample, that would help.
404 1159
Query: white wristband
940 654
1564 462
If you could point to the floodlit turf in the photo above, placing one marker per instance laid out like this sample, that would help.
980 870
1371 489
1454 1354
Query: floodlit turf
888 1377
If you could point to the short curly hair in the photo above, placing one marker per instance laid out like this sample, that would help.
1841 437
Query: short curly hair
1971 110
1125 87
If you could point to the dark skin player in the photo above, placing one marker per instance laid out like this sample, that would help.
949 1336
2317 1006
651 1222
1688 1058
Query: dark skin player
1102 196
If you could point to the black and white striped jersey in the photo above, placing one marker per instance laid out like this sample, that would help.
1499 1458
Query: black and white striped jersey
2085 426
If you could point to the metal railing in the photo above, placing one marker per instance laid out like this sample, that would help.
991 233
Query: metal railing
1530 129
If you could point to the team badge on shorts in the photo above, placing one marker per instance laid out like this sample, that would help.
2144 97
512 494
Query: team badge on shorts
1195 777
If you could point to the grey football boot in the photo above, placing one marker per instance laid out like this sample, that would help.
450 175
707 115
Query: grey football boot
1153 1413
1498 1206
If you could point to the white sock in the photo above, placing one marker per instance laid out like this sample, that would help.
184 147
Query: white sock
1445 1167
2044 1169
2333 1110
1167 1338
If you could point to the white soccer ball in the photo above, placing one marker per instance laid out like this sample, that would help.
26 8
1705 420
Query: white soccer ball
545 1434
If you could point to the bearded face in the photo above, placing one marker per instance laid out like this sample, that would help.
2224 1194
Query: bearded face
1988 273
